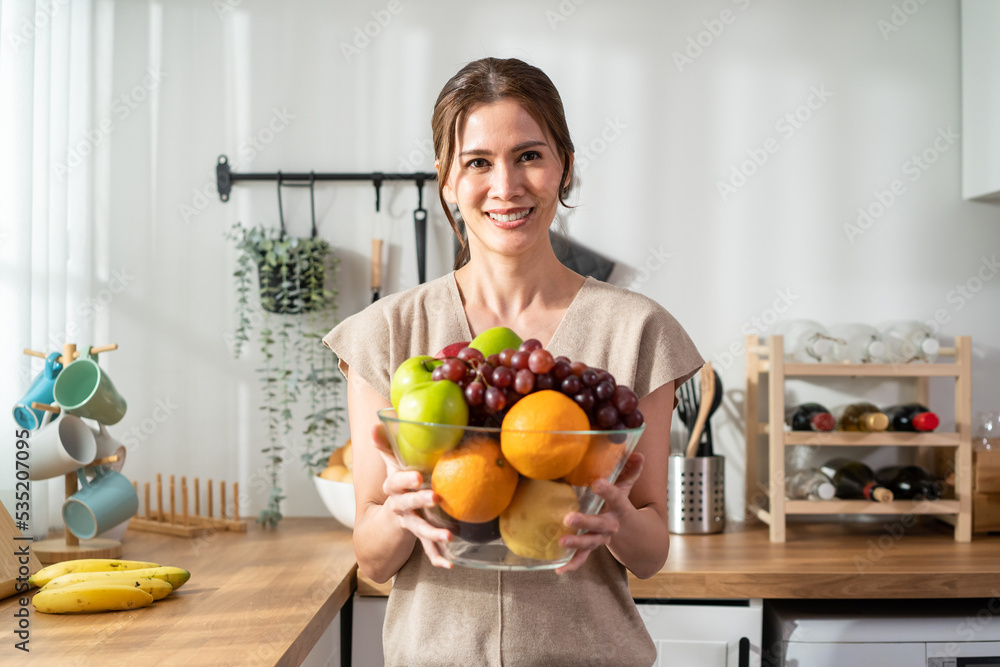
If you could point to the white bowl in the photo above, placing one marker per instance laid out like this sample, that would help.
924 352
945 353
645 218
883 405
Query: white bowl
338 498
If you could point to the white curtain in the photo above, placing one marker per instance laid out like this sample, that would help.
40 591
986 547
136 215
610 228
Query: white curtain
47 152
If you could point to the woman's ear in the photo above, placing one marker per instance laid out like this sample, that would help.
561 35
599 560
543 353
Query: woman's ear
569 172
446 189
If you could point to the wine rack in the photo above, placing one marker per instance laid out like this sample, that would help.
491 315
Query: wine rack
769 360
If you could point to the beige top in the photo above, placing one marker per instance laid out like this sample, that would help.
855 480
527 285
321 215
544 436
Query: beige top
479 617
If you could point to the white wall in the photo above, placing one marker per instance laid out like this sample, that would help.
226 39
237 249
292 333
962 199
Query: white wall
660 138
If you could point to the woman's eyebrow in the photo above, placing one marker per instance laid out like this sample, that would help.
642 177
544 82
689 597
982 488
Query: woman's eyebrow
520 147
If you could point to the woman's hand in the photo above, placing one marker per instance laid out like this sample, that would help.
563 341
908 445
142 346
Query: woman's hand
602 526
405 498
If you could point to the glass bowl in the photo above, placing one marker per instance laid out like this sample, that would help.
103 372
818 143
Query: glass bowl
533 521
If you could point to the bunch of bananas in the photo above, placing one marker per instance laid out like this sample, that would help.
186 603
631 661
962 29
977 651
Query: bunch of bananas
103 584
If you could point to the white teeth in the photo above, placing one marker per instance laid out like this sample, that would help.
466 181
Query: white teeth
509 218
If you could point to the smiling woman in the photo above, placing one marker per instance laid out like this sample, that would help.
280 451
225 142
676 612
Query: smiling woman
505 158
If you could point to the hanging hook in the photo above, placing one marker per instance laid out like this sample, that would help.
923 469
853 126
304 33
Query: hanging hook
420 230
312 200
281 212
377 182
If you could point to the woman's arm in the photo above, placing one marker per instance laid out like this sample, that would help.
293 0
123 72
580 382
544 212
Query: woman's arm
633 522
386 525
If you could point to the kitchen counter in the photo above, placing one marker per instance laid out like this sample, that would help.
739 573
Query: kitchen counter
262 597
818 560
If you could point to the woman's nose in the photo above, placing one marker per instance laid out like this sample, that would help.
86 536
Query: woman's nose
505 183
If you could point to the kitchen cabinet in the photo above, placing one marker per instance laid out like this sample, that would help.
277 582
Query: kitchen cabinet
708 634
980 99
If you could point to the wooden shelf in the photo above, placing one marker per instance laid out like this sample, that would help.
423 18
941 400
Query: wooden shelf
872 370
868 507
884 439
767 362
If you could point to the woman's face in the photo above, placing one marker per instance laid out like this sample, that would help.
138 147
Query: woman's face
505 178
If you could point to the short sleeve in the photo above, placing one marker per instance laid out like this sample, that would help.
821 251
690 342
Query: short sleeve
665 353
362 342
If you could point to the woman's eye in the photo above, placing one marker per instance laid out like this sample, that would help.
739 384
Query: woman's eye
530 155
477 163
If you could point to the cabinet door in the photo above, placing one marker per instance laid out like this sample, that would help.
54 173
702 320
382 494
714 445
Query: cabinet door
366 643
855 655
671 652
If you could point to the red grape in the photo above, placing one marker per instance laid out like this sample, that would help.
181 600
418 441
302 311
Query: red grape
503 377
530 345
561 370
544 381
495 398
585 399
493 360
589 377
605 376
571 385
541 361
562 358
474 393
506 355
524 381
633 419
438 373
606 415
454 369
485 371
512 396
470 354
604 390
519 360
578 367
625 399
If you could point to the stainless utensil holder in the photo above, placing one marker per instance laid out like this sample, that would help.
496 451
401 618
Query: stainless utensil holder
696 494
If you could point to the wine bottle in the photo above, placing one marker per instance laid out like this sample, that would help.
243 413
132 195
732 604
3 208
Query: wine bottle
909 483
854 480
911 417
805 341
856 344
909 342
809 484
809 417
861 417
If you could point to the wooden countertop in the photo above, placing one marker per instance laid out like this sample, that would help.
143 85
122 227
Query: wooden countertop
818 560
262 597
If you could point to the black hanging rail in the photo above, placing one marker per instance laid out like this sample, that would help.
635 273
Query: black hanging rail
225 177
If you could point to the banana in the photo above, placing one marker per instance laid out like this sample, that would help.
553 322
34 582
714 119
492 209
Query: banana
90 597
174 576
47 574
158 588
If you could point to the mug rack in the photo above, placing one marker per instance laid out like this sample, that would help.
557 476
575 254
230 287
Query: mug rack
57 549
225 177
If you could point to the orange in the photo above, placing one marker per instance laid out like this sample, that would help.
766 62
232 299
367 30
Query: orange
528 442
474 480
598 462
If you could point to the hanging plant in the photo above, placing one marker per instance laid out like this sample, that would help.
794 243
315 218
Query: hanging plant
298 308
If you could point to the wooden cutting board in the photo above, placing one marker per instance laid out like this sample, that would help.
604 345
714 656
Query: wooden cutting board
9 563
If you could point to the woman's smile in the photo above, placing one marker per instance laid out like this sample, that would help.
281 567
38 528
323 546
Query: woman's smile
509 218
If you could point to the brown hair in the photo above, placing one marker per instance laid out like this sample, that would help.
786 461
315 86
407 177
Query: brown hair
491 80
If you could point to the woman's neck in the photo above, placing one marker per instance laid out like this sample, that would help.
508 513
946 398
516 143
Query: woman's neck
528 294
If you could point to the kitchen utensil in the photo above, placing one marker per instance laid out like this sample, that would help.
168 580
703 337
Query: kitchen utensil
707 379
705 446
377 243
420 227
687 405
60 447
85 390
40 391
696 494
101 503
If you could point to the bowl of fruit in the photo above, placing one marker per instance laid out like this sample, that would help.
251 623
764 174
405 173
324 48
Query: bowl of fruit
335 485
509 455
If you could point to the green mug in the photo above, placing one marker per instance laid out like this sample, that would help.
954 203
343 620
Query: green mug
84 390
102 503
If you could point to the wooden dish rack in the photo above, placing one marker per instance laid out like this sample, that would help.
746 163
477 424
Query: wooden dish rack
769 359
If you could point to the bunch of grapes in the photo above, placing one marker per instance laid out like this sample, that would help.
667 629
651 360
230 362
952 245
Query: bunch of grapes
492 385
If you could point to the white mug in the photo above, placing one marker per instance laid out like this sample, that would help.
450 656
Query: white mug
106 445
61 447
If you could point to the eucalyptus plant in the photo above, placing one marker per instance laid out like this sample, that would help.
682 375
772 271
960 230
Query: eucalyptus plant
298 308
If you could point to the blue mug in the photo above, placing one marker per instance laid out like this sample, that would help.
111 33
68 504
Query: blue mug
102 503
40 392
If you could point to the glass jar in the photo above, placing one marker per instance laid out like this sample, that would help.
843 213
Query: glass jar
987 437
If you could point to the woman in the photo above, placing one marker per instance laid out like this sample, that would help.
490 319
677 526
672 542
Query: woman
505 158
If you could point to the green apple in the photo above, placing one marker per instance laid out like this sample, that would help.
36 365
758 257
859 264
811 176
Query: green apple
410 373
496 340
415 459
441 402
